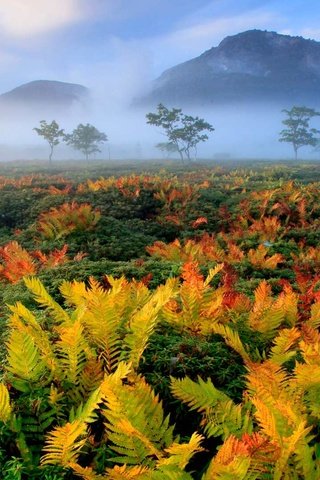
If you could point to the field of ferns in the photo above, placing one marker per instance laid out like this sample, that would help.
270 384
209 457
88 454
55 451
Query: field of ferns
161 324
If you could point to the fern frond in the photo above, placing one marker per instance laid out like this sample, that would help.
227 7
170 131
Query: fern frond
281 351
288 448
64 444
23 320
266 419
73 351
143 322
86 473
232 339
213 272
129 473
5 407
90 377
180 454
314 320
232 462
227 419
24 361
42 297
136 424
307 375
87 413
200 396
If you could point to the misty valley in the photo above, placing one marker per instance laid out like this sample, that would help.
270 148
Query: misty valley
160 269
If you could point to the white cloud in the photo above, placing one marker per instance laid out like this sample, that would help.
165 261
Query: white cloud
27 18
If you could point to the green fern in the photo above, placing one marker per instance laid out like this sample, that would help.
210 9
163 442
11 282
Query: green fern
25 364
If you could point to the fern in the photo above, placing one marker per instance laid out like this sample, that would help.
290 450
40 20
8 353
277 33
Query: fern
135 422
64 444
72 350
5 407
200 396
25 364
232 462
24 321
143 322
180 454
45 300
232 339
282 351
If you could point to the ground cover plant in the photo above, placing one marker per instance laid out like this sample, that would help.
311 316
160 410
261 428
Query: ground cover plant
162 324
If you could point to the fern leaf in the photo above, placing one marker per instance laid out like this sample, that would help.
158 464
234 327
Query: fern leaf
72 350
180 454
288 448
87 413
213 272
86 473
129 473
283 343
314 320
24 321
232 339
45 300
64 444
266 419
227 419
24 361
136 424
199 396
5 407
232 462
143 322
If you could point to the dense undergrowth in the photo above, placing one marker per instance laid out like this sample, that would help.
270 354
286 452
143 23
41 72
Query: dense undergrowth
162 324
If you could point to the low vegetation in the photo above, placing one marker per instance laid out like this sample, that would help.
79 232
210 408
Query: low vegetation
162 324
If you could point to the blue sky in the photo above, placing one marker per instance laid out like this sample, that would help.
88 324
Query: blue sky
98 42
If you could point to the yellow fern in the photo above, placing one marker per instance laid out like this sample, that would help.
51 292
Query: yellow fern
45 300
180 454
64 444
5 407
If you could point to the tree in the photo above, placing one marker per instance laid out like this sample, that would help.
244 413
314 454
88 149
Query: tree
86 139
298 131
167 148
50 132
184 132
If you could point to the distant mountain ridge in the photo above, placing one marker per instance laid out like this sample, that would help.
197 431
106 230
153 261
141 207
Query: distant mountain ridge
45 93
251 66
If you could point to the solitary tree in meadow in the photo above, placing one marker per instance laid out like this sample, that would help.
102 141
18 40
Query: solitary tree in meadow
297 131
86 139
183 132
52 133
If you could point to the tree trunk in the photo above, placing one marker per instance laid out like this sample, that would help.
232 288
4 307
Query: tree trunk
51 153
295 153
181 156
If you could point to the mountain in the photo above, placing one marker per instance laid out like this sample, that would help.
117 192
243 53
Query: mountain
45 94
253 66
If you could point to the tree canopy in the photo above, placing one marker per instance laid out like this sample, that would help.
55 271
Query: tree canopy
86 139
52 133
297 131
183 132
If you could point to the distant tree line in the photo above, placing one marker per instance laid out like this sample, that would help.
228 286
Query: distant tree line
183 132
85 138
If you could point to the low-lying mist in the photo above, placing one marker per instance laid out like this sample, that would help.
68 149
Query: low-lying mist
241 131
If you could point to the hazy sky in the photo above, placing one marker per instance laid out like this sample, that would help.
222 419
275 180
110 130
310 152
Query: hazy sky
85 40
